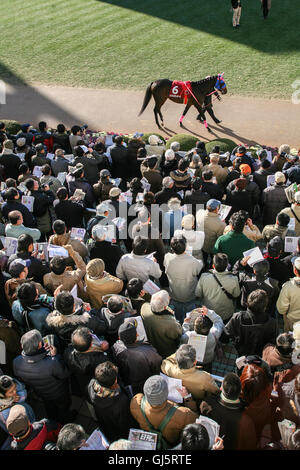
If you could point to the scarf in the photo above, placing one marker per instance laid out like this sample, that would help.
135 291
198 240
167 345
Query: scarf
226 400
104 392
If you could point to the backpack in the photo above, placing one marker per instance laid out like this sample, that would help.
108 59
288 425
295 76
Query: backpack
162 443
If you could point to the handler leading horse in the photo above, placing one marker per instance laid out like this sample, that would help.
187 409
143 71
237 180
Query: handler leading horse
190 93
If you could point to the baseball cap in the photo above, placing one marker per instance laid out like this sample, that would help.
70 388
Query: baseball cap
104 173
245 169
17 422
213 204
156 390
17 266
127 332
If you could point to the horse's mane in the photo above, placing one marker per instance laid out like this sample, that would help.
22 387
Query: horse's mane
206 80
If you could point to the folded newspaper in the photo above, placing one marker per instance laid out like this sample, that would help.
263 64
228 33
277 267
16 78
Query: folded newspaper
96 441
173 386
255 256
286 429
142 440
199 343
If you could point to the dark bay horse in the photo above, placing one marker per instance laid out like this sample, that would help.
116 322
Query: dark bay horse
200 97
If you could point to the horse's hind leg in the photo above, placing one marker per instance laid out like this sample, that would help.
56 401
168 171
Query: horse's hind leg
161 117
156 111
188 105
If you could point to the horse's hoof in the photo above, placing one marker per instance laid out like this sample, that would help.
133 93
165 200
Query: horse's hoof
162 124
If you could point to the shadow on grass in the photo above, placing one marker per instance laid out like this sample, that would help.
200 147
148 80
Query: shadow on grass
278 34
25 104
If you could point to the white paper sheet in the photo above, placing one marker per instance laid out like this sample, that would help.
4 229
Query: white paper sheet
96 441
140 329
255 255
78 233
142 440
292 223
212 427
146 184
10 244
37 171
270 180
54 250
199 343
28 202
224 211
151 287
42 248
62 176
173 385
290 244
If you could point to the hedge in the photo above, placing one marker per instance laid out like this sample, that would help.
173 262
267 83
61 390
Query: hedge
226 145
12 127
187 142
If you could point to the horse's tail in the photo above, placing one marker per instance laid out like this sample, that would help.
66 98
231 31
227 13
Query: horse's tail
147 98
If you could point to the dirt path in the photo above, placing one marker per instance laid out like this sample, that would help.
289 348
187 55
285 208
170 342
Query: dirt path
245 120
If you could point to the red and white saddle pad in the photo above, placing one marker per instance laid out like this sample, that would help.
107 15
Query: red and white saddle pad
180 90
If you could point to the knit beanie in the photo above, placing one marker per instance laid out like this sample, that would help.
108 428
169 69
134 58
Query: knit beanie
95 268
156 390
240 183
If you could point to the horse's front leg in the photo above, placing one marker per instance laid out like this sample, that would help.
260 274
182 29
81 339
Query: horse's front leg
187 107
202 118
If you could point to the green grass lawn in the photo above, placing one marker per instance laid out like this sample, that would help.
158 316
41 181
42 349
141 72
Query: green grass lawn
127 43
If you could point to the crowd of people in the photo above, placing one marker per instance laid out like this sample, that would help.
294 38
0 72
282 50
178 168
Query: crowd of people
125 264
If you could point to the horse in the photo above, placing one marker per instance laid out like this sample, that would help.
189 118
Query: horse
199 96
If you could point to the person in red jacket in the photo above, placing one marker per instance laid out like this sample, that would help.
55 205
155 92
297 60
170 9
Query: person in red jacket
30 436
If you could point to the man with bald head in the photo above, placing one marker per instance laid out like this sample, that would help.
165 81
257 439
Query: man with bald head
15 227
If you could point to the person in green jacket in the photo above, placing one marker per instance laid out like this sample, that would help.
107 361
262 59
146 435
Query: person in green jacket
234 243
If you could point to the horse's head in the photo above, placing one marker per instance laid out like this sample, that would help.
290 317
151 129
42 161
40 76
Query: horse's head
220 84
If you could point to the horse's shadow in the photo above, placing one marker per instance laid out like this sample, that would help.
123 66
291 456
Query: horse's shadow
228 131
193 132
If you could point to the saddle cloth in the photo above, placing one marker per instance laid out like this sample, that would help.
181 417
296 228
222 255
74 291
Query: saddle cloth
180 90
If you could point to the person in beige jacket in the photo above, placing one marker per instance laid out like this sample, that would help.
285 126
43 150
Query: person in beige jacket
294 212
219 172
209 221
182 365
99 283
61 237
288 303
60 275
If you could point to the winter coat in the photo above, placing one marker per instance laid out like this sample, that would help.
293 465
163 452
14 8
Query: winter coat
53 183
251 332
60 165
181 179
131 265
288 302
63 141
296 209
37 314
64 325
81 183
136 362
42 432
239 200
111 323
15 231
212 296
45 374
163 196
40 160
155 414
213 228
260 177
182 272
218 172
70 212
253 232
197 198
162 329
271 231
112 408
7 403
252 188
101 190
11 163
90 164
119 157
274 200
42 201
269 285
68 279
214 190
235 425
97 288
154 178
12 285
282 368
194 379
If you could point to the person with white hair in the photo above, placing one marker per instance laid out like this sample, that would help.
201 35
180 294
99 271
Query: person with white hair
294 211
170 163
162 328
219 172
168 191
194 238
155 146
121 444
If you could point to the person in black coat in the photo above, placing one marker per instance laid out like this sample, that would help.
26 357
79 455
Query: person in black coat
12 198
119 157
196 196
239 198
279 269
68 210
111 403
252 329
79 182
90 161
82 356
168 191
10 161
260 177
61 138
136 361
109 252
214 190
